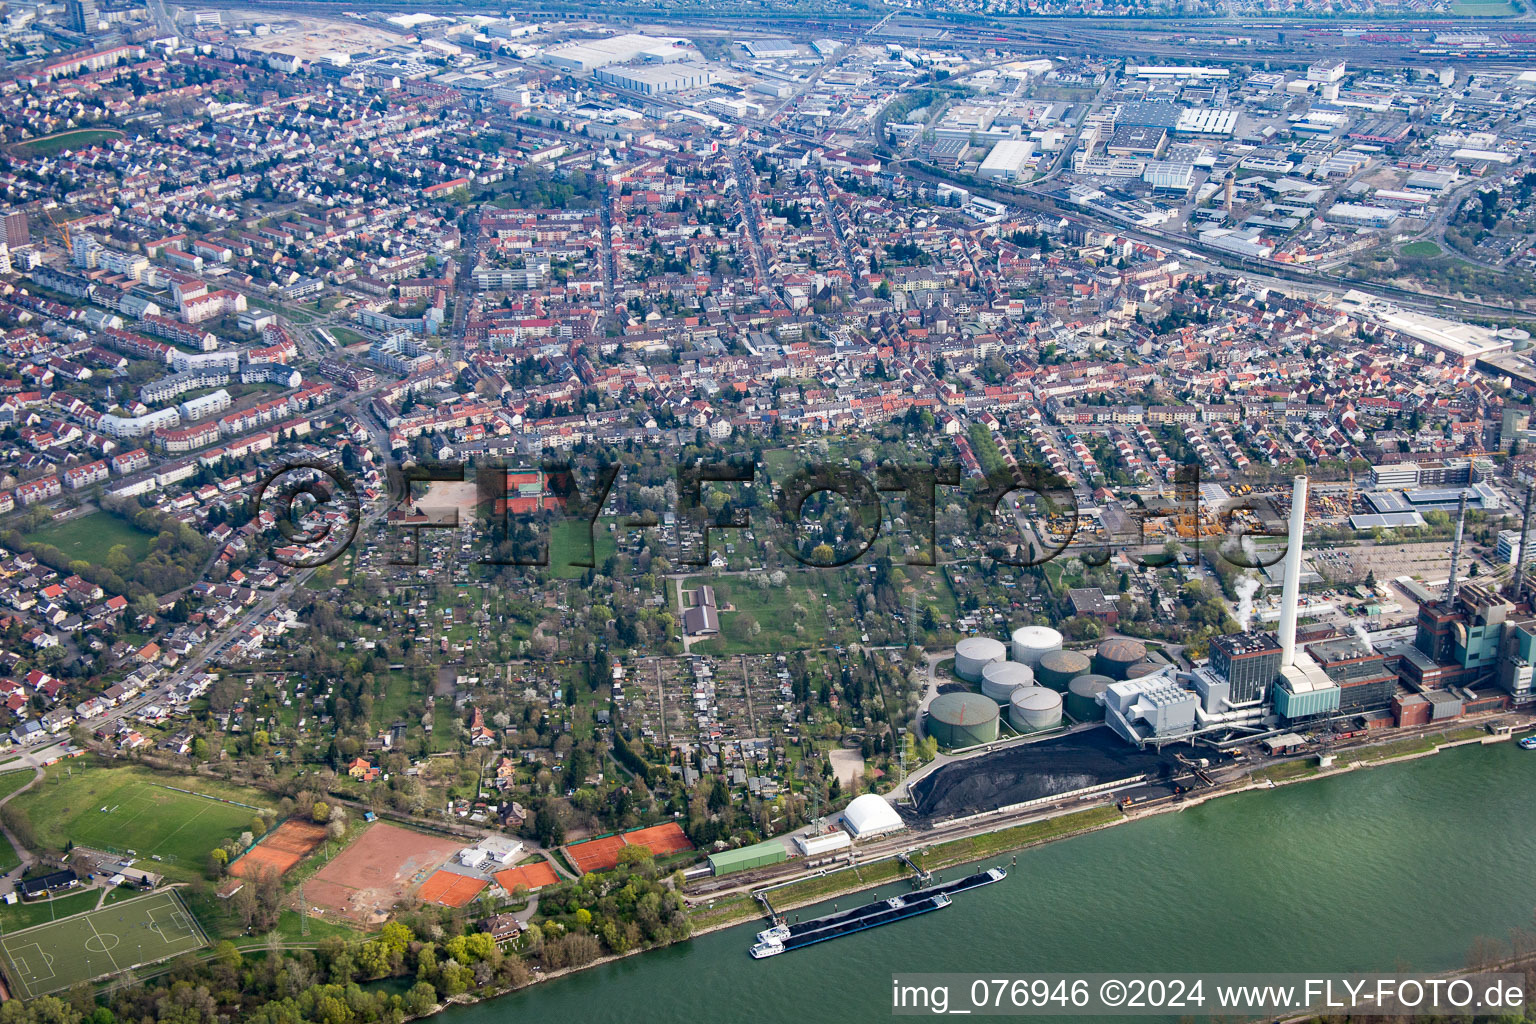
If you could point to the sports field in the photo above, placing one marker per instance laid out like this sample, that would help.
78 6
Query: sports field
290 843
116 938
602 854
451 889
531 876
120 809
383 866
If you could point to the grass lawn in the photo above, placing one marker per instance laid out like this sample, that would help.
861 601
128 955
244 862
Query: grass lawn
811 889
10 782
222 922
1482 10
728 908
77 139
1423 249
346 336
90 537
1401 748
568 540
1288 771
778 610
962 851
120 808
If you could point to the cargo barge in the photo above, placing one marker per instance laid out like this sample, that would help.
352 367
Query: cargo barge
782 938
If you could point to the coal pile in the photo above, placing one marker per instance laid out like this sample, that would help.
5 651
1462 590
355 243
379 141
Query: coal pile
1032 771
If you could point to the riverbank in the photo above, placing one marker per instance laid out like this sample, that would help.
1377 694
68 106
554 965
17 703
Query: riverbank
1006 838
996 840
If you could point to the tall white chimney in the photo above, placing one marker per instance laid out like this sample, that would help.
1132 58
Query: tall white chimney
1290 595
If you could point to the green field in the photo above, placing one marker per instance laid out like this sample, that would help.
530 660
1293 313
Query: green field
118 809
775 612
10 782
1422 249
114 939
90 537
568 540
1498 9
50 144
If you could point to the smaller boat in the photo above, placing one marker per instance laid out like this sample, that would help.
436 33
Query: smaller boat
1529 743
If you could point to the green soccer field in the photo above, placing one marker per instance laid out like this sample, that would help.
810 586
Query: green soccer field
118 809
52 957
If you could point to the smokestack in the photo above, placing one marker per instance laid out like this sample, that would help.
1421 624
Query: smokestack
1229 187
1525 531
1461 522
1290 595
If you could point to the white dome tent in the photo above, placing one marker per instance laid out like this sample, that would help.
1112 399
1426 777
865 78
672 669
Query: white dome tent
870 815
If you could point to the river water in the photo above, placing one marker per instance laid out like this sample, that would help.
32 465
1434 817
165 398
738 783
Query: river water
1399 867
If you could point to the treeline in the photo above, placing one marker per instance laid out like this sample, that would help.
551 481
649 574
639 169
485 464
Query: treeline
632 762
175 558
606 912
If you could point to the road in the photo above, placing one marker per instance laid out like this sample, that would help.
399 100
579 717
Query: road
264 605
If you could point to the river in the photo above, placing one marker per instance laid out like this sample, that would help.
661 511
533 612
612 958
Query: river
1401 866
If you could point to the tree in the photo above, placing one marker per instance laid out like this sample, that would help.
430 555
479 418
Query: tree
421 998
320 812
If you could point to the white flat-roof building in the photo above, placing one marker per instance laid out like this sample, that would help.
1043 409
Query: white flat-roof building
1202 121
1464 343
1332 70
591 54
1007 159
1169 175
654 80
1179 71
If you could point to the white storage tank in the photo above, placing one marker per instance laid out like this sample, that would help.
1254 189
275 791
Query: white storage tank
1031 643
1034 708
1001 678
974 654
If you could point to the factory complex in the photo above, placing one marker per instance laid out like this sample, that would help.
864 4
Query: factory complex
1472 651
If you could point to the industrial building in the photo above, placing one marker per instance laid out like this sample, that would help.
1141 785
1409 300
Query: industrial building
870 815
746 858
1137 140
761 49
1473 650
654 80
1248 662
1007 160
1168 175
1359 215
590 54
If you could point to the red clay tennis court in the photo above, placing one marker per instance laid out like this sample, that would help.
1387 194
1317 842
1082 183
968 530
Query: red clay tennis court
596 854
451 889
603 854
290 843
661 840
529 876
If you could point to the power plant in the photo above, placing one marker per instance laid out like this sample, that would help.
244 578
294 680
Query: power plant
1473 650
